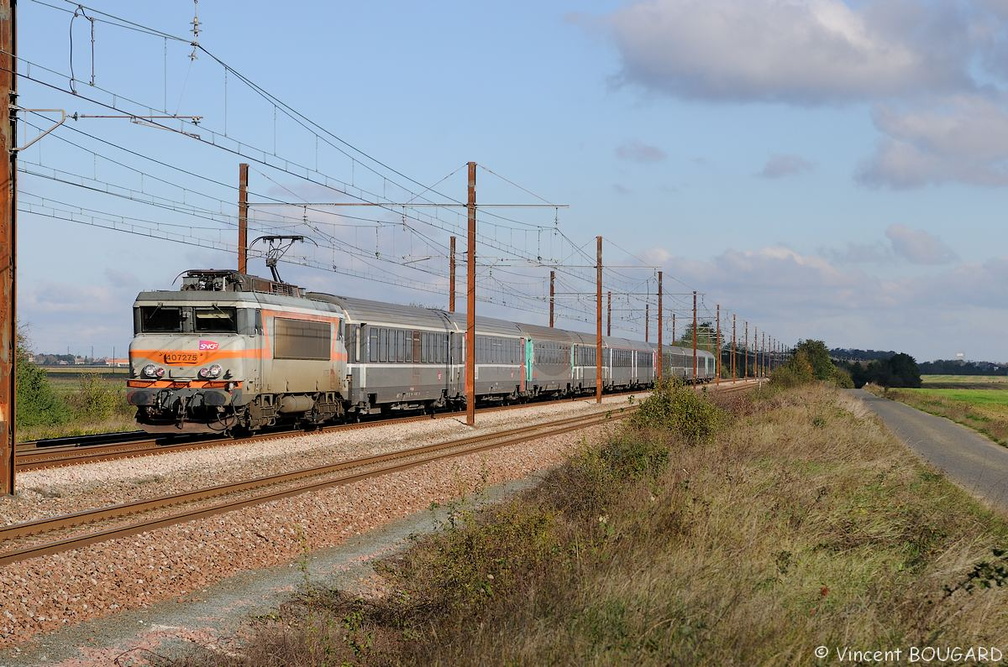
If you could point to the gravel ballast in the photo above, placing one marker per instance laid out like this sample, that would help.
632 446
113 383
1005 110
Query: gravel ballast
43 594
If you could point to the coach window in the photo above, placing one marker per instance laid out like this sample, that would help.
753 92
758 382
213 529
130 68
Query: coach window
373 344
400 338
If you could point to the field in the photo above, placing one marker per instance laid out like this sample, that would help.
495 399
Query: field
979 402
67 379
965 381
93 400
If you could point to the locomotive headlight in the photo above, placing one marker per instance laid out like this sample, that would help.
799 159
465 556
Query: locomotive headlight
210 371
152 371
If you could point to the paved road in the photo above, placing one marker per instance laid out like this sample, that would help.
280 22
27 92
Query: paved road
971 460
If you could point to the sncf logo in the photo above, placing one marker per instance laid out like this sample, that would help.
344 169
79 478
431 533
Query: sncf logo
208 345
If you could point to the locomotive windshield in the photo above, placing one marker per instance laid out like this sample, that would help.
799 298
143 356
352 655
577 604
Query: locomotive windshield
188 319
215 319
160 319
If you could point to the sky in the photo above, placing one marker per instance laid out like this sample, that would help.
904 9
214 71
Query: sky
817 169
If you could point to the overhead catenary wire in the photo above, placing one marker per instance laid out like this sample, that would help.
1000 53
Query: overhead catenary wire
407 231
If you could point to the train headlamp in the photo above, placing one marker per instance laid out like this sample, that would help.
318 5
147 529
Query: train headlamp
212 371
153 372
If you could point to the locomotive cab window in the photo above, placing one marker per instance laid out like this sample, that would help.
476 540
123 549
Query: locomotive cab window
213 319
158 319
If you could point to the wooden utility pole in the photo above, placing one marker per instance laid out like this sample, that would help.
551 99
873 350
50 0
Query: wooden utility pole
745 352
763 355
659 369
717 344
243 217
552 295
8 246
694 338
470 369
598 319
734 363
451 275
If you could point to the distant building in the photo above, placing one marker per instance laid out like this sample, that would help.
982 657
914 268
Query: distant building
117 363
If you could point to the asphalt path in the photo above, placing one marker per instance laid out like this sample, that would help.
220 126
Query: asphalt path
968 458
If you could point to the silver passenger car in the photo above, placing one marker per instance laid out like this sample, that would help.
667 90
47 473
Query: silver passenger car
398 357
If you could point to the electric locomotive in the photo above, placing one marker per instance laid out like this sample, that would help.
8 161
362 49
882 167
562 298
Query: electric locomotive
231 350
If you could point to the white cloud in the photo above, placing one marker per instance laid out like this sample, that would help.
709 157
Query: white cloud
636 151
794 296
914 246
859 253
78 316
779 166
919 247
795 51
964 139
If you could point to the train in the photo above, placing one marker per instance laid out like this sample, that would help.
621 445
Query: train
230 352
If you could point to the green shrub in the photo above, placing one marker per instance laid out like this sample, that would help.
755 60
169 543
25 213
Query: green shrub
95 400
841 378
477 556
681 411
37 404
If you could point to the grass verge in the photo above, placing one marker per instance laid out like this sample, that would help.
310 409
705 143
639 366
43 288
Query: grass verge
983 410
787 521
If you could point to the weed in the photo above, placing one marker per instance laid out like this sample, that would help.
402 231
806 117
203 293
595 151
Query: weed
985 574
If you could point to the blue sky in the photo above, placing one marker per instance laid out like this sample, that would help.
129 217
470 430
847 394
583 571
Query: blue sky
818 168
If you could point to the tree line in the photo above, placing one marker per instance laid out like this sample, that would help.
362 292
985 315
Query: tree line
812 360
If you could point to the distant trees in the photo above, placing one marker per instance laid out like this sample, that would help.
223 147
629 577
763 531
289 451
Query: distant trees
961 367
899 370
810 361
706 337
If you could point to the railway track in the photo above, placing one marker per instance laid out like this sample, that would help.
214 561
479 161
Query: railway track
48 536
76 450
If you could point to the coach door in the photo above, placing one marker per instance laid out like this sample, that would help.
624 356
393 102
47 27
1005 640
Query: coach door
413 357
455 365
529 373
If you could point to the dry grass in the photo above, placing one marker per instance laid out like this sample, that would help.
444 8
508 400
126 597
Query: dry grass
802 523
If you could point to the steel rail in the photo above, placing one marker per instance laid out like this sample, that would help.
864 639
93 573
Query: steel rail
392 463
108 447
